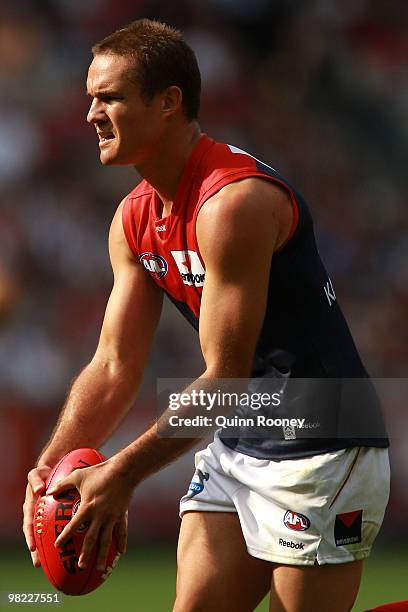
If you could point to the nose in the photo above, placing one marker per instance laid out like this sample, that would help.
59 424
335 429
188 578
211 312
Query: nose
95 112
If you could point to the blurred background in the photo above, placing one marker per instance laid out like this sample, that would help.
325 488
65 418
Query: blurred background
317 89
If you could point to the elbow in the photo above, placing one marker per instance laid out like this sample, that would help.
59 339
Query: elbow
115 368
223 369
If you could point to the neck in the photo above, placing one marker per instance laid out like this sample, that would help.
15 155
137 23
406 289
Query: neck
164 169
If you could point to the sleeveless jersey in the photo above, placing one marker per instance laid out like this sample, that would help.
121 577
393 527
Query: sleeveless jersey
304 334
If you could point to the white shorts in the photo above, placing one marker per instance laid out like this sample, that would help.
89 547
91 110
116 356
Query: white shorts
326 508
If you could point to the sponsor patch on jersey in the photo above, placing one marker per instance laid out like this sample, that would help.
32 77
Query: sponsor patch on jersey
347 528
296 521
190 267
155 264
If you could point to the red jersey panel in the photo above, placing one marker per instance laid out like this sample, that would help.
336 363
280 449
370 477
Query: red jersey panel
167 246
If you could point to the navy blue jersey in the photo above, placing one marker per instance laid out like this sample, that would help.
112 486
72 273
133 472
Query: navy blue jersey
304 334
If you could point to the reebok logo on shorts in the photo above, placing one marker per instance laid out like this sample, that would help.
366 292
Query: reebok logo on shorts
290 544
347 528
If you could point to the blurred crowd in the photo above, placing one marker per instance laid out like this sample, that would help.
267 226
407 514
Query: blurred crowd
317 89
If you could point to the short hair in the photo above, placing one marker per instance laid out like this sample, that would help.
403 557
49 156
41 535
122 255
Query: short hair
162 58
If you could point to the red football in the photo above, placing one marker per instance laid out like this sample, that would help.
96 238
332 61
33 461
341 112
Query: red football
51 515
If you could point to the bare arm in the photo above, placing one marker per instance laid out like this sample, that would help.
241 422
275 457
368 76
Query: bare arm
104 391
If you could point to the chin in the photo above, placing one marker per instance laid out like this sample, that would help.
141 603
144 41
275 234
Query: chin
111 156
109 160
112 160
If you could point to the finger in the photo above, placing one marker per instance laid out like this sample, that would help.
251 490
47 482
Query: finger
28 519
28 527
29 537
35 485
37 478
63 485
36 558
121 532
70 529
89 544
104 546
28 511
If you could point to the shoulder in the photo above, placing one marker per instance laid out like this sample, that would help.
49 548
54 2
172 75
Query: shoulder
220 164
220 158
250 209
141 189
121 245
133 209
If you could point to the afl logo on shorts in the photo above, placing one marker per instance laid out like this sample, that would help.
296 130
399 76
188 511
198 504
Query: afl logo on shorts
296 521
155 264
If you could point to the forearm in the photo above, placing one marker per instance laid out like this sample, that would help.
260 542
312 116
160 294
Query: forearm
149 453
98 400
163 442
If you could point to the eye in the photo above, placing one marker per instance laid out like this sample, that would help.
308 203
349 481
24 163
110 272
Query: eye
111 98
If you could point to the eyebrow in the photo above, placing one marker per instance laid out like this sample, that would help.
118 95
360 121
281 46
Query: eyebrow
104 92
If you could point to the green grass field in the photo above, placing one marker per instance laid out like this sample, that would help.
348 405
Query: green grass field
144 582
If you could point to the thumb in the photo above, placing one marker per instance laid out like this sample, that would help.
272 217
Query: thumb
63 485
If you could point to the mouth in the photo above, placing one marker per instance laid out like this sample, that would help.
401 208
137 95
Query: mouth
105 137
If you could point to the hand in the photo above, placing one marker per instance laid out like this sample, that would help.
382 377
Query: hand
105 496
35 486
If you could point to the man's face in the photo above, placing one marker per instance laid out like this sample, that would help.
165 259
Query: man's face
128 129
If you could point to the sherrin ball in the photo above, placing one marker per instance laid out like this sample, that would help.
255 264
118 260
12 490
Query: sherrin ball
51 515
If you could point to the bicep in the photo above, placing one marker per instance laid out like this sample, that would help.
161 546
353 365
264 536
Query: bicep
133 309
237 239
231 318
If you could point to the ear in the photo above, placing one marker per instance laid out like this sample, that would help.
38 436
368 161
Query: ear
172 99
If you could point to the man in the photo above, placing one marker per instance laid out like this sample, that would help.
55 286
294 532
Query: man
204 226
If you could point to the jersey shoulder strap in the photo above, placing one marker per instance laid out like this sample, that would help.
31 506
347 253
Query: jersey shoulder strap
137 204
